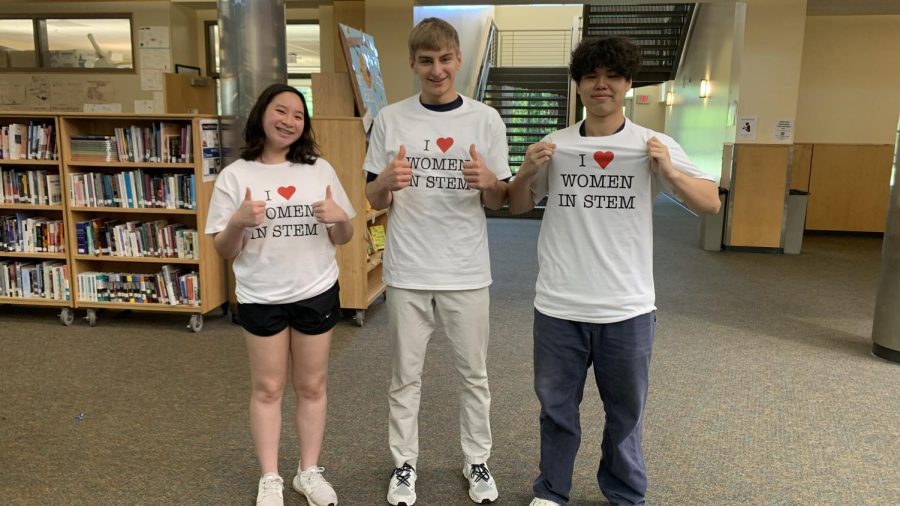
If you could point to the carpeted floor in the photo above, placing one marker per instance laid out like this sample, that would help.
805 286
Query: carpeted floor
763 392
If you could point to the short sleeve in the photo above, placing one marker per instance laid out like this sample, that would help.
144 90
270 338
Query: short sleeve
377 157
223 203
540 185
680 162
498 151
340 196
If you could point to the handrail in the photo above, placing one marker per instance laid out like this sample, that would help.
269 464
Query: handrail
488 57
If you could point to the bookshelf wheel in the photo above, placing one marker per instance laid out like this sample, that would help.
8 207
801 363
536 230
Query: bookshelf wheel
196 323
67 316
360 317
91 317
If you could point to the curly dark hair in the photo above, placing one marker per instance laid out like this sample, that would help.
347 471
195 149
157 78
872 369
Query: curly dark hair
615 53
303 150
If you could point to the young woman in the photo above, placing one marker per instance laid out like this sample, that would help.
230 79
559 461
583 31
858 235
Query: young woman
278 212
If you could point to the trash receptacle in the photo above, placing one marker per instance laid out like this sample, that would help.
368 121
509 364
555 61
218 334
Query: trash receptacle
795 223
713 225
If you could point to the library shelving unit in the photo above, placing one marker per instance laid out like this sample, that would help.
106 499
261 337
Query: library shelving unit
45 210
132 292
343 143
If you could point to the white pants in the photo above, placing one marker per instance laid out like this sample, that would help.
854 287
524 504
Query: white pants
411 322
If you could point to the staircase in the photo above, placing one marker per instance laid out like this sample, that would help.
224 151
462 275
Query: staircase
661 31
533 102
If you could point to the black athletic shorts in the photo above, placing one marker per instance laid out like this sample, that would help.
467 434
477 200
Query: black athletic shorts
315 315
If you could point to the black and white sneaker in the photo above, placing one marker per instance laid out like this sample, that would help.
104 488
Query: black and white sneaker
402 488
482 488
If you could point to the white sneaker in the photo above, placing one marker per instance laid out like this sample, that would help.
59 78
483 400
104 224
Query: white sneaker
482 488
313 486
402 488
271 491
543 502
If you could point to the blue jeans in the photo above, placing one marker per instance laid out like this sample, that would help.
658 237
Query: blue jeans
620 353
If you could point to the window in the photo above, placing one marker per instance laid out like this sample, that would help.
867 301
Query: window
67 43
303 54
17 44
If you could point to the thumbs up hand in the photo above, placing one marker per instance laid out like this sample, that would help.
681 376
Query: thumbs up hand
476 173
398 173
327 211
251 213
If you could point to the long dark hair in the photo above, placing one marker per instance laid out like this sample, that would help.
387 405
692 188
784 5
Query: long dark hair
303 150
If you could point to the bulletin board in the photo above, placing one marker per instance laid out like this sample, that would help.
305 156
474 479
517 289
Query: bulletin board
365 72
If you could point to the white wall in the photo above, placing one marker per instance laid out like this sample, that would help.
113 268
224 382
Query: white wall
699 125
470 23
652 115
536 17
850 80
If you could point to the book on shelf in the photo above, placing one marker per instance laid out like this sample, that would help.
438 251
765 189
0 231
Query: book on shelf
42 280
34 141
132 189
23 233
171 286
31 186
155 239
377 232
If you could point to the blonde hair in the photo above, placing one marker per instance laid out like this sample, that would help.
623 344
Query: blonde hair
433 34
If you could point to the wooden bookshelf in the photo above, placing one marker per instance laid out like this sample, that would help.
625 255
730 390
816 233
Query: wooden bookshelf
209 268
55 212
343 144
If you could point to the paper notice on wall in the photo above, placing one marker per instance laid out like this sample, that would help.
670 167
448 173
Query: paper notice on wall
784 130
12 94
66 94
144 107
97 91
746 128
154 63
37 93
159 103
153 37
209 147
102 107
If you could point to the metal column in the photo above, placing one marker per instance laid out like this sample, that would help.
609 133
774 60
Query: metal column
886 327
253 55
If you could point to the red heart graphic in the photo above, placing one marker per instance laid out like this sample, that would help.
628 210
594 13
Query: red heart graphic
603 158
286 191
444 143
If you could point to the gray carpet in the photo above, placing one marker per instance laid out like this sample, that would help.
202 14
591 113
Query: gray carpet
763 392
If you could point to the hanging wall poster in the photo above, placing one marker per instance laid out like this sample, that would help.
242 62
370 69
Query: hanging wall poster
365 72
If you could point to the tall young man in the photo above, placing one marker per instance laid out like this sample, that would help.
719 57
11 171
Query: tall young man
435 159
594 301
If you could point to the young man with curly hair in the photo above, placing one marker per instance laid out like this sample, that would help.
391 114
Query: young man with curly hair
594 298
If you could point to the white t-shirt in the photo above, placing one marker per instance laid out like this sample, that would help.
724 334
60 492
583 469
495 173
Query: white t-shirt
437 235
595 249
290 256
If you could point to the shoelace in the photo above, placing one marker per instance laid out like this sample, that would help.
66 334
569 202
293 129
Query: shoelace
272 484
480 473
315 478
403 474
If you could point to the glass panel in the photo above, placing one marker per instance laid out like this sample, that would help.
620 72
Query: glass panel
302 49
17 43
89 43
303 85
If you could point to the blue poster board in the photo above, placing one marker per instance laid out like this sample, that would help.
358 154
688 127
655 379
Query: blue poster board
365 72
